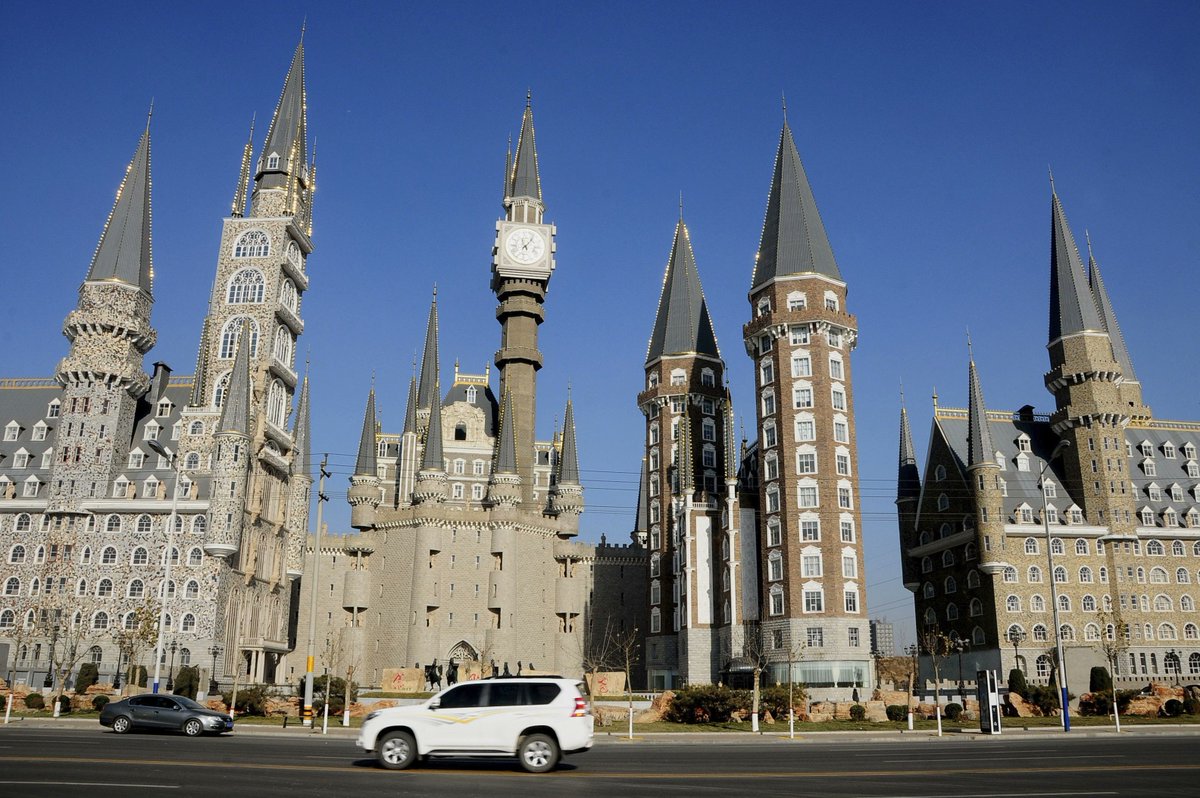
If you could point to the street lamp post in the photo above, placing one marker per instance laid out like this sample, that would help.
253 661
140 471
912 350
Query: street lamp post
912 679
213 687
1173 664
117 675
306 712
961 645
160 450
1016 637
1062 663
171 671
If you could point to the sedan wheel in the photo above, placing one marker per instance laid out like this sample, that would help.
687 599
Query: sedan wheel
397 750
193 727
538 753
121 724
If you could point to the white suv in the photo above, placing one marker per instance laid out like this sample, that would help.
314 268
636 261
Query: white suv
536 719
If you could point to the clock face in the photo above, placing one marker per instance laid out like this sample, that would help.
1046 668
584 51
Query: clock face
525 245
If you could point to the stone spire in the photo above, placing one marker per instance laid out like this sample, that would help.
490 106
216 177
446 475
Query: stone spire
504 483
524 179
433 459
124 253
284 157
682 325
567 493
908 480
430 369
1108 316
199 396
241 193
1072 309
236 404
793 238
365 463
980 449
410 410
641 525
302 435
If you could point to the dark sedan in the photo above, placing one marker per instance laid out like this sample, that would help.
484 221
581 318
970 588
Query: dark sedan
164 712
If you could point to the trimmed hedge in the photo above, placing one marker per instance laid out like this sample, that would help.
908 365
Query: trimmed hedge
89 674
98 702
35 701
706 703
952 711
897 712
858 712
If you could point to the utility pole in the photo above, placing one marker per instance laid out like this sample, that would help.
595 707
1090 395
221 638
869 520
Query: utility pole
307 713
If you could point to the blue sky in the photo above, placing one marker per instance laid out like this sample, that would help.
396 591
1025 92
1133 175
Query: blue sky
926 130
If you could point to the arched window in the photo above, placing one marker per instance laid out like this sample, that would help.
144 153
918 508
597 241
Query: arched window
1031 546
1091 632
970 552
976 608
199 525
1035 574
1064 603
930 617
108 556
1088 603
191 590
195 557
136 589
1060 574
950 585
1085 574
1192 632
191 461
12 587
1039 633
928 591
1154 547
1012 604
947 558
139 557
174 554
252 244
1037 603
926 565
196 428
81 587
1162 603
8 619
144 524
1158 576
113 524
277 404
951 612
1187 604
282 349
1010 574
287 295
23 523
972 578
245 288
230 334
16 554
1167 631
100 620
1081 546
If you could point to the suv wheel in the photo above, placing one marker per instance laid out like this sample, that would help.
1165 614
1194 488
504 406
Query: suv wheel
396 750
538 753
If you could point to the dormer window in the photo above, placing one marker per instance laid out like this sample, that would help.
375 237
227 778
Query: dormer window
1168 450
1051 514
21 458
1149 468
1176 493
1189 450
797 301
136 459
39 431
1147 516
163 409
1022 462
708 378
273 161
1025 514
53 408
1050 489
11 430
1001 460
1154 492
30 489
151 432
472 394
1170 518
1146 449
1076 515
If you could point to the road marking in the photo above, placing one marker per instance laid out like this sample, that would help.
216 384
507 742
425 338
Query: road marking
95 784
1004 794
1027 757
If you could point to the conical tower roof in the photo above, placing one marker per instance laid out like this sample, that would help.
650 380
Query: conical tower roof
793 238
235 410
365 463
682 325
288 135
568 461
908 480
302 435
506 449
980 449
430 369
124 252
1108 317
433 461
410 410
524 179
1072 309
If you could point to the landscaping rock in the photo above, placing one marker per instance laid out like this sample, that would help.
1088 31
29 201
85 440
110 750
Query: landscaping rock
876 711
1145 705
1022 708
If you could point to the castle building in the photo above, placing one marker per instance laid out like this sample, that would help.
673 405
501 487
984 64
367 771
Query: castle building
756 556
465 548
1094 506
96 460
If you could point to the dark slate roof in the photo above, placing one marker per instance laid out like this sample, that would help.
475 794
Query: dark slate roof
302 435
364 464
199 396
1108 317
430 370
908 480
410 410
682 325
793 238
525 180
235 409
979 444
485 400
123 253
433 459
642 518
1072 309
506 449
289 129
568 464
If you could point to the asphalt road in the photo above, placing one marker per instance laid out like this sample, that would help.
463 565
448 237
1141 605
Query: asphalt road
80 761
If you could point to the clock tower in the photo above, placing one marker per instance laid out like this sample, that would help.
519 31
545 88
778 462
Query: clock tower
522 261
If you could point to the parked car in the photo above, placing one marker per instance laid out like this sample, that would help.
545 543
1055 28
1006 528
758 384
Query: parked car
166 712
536 719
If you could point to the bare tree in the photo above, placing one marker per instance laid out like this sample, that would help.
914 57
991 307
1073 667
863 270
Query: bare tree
70 637
756 652
1113 648
134 636
626 648
936 645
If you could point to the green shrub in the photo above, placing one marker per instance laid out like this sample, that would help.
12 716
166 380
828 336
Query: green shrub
3 702
1173 708
1016 682
1099 681
858 712
952 711
1190 705
35 701
706 703
1098 704
337 690
64 704
187 681
140 677
250 700
774 699
89 674
98 702
897 712
1044 697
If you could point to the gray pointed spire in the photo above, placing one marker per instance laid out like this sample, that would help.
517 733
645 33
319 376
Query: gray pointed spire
365 464
124 252
1072 309
1108 317
506 451
240 194
682 325
235 409
793 238
642 522
524 179
980 449
302 435
908 480
568 460
433 461
199 386
410 411
287 138
430 369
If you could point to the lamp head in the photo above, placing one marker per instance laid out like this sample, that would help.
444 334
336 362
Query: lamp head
160 450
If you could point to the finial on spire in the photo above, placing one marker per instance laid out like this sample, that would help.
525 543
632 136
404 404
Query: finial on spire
935 397
414 363
528 97
150 113
681 206
783 99
902 392
435 291
970 352
1051 171
1087 236
372 380
303 28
